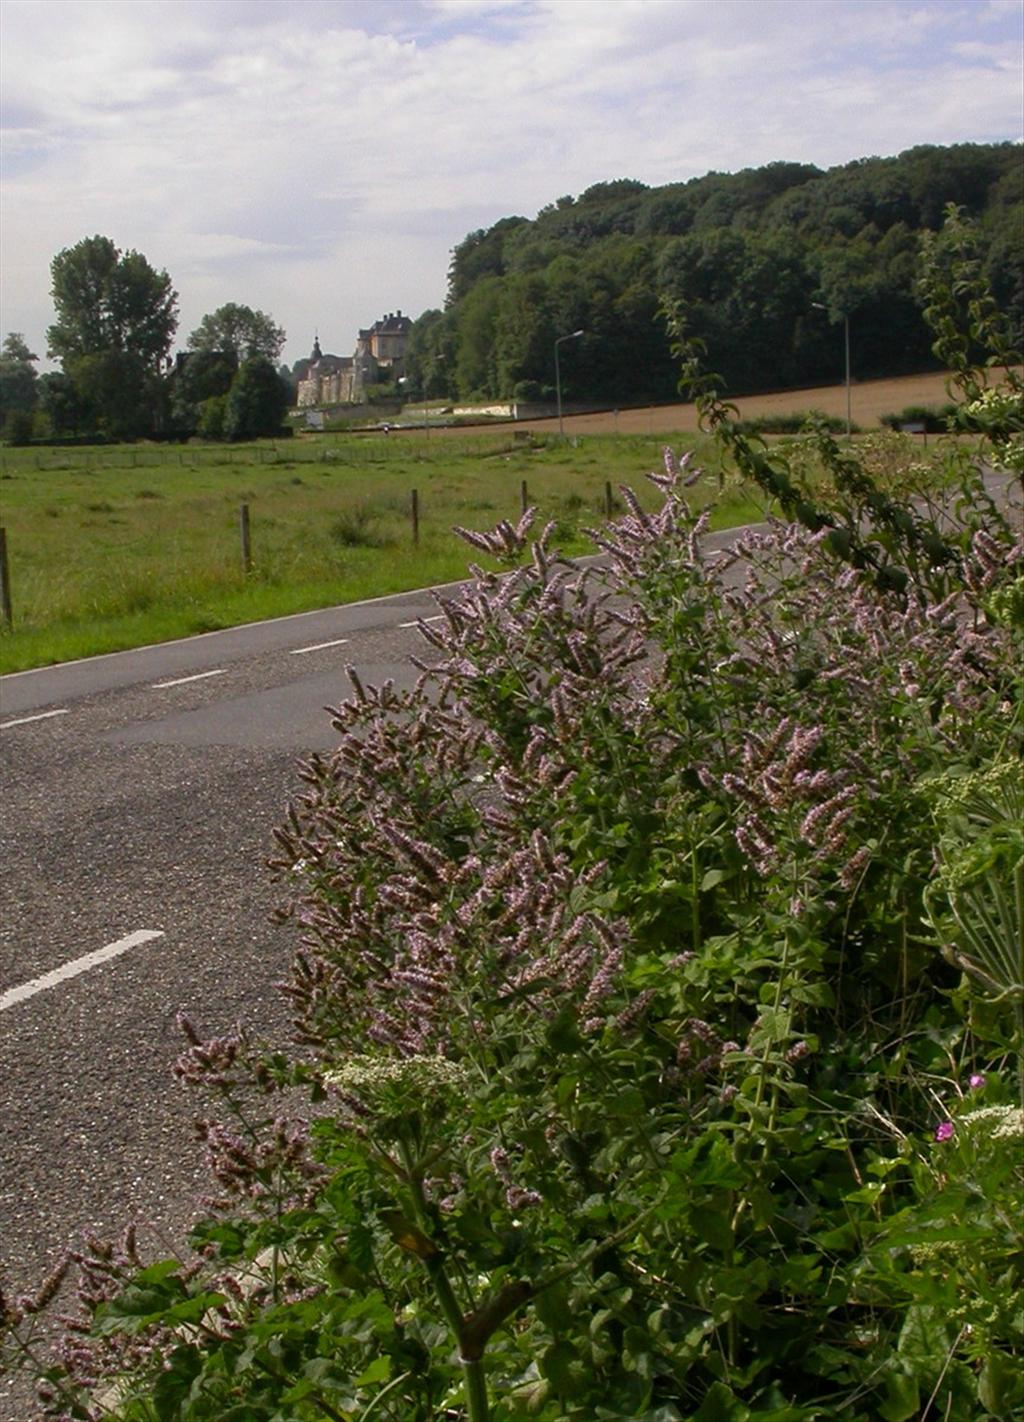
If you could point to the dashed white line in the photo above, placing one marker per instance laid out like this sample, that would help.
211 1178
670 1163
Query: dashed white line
40 716
79 965
181 680
319 646
438 618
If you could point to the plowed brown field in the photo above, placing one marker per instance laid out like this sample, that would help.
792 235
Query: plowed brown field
869 401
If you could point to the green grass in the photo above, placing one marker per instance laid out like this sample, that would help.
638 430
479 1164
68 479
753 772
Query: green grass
121 546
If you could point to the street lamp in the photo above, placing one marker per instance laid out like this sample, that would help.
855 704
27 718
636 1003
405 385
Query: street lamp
820 306
572 336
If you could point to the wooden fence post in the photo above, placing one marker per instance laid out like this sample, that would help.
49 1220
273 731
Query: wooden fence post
415 518
5 581
246 541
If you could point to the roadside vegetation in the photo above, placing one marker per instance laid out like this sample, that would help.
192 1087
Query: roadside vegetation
659 987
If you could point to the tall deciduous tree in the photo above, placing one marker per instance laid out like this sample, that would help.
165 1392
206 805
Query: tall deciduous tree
241 330
116 318
198 377
108 301
257 401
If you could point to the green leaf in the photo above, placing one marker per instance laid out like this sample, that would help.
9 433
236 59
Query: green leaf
711 878
175 1382
229 1236
559 1364
552 1308
1001 1384
721 1405
378 1371
924 1339
562 1033
902 1398
566 1088
772 1026
135 1308
158 1272
713 1225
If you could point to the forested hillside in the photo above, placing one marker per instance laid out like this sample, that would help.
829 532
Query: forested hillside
749 254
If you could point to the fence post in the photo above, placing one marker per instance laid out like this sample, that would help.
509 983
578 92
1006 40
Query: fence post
415 518
246 542
524 497
5 581
608 498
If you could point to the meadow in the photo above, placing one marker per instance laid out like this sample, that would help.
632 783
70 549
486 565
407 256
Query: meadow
120 546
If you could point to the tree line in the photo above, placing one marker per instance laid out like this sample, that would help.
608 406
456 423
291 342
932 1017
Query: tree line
116 318
769 265
766 262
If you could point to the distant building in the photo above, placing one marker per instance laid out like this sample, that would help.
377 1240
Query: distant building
340 380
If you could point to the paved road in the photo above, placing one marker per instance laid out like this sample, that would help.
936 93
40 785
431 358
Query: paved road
147 803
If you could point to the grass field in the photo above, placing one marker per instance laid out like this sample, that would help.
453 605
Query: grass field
114 547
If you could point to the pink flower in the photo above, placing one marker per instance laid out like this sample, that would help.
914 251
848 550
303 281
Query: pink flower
976 1080
944 1130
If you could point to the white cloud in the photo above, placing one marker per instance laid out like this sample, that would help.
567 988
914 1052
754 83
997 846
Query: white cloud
319 158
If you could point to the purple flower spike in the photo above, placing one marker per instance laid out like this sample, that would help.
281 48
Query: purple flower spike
944 1130
976 1080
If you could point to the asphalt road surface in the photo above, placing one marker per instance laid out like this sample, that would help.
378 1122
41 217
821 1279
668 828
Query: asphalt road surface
140 791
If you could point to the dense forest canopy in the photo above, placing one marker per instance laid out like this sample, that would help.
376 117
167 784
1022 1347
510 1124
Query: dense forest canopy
752 256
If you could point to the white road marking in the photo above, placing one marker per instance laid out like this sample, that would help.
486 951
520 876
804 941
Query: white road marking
41 716
319 646
438 618
79 965
181 680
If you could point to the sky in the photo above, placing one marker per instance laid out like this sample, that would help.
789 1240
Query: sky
319 159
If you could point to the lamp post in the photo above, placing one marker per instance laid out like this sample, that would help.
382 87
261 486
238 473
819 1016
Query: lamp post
820 306
572 336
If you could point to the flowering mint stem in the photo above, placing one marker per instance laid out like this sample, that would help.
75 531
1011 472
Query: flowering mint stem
470 1356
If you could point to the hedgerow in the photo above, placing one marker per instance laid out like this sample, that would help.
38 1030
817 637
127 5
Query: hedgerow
659 1002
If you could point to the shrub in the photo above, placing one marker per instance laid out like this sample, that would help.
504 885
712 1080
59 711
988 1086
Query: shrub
936 419
793 423
19 427
356 528
210 423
